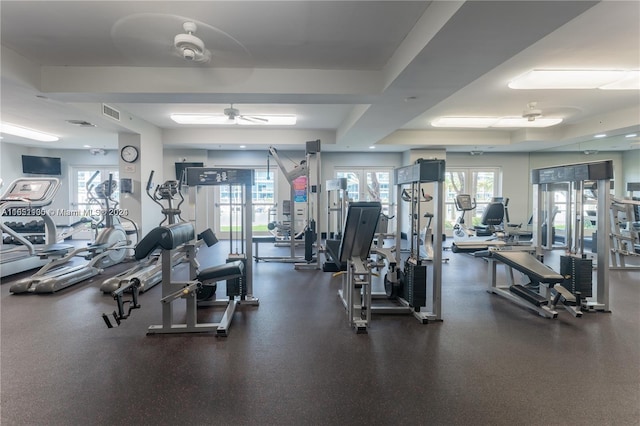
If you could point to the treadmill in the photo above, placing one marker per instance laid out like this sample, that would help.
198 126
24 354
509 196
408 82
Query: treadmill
29 197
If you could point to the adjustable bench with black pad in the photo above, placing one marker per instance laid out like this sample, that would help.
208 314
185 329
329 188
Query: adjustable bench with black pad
521 261
257 240
538 273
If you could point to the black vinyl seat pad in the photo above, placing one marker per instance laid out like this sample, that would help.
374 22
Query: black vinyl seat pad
528 265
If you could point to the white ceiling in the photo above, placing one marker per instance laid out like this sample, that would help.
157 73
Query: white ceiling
356 73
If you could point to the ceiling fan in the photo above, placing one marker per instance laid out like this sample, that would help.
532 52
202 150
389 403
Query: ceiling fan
190 47
166 40
233 115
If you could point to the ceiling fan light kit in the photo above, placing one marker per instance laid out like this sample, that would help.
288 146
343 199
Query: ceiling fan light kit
190 47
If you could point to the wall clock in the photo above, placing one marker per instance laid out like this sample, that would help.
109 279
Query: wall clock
129 153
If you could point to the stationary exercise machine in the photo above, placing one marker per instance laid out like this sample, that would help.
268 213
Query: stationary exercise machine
355 246
242 181
108 249
494 229
423 239
412 285
179 236
573 287
625 230
148 272
337 203
29 197
307 190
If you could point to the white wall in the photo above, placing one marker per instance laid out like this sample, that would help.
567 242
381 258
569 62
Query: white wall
12 169
631 167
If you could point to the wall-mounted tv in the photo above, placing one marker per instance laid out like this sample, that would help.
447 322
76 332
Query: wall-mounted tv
182 166
51 166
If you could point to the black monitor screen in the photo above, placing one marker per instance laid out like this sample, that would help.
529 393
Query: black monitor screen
181 167
50 166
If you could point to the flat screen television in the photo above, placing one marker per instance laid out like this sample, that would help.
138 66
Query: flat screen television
182 166
51 166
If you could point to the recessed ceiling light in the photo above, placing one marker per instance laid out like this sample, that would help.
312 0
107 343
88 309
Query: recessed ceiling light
631 135
600 136
243 146
578 79
372 147
86 146
24 132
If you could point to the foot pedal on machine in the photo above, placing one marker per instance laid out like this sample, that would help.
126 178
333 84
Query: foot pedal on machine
528 295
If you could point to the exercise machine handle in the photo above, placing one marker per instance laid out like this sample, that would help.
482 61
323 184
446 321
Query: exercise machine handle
92 178
150 181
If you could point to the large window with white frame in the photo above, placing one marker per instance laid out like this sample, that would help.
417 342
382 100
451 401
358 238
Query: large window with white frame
230 209
481 183
369 184
80 200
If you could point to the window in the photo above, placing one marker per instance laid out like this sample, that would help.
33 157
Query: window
81 201
374 184
231 210
482 184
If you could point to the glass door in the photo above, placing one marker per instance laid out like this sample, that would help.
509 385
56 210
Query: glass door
230 209
80 200
482 184
370 184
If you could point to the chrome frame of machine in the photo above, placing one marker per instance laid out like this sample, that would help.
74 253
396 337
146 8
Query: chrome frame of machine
337 202
415 285
576 174
27 256
309 261
624 237
206 176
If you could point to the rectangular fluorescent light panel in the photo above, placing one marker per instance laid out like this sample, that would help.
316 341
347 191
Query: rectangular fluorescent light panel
486 122
23 132
524 122
578 79
250 120
471 122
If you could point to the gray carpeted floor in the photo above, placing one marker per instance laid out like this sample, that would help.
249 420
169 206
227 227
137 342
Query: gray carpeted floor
294 360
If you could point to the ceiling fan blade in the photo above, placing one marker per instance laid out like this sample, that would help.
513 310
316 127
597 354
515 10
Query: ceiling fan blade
253 119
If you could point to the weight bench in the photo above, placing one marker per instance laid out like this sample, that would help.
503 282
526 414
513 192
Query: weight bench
544 301
261 239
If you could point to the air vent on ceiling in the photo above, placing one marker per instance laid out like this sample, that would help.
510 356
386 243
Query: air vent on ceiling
111 112
81 123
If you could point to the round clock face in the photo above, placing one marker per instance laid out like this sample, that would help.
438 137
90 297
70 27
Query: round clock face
129 153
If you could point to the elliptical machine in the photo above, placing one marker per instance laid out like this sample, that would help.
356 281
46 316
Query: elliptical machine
148 272
108 249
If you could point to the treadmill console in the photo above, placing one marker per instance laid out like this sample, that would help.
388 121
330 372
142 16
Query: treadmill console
28 190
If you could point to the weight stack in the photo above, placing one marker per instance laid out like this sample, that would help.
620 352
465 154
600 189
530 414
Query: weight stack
580 275
415 284
236 286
